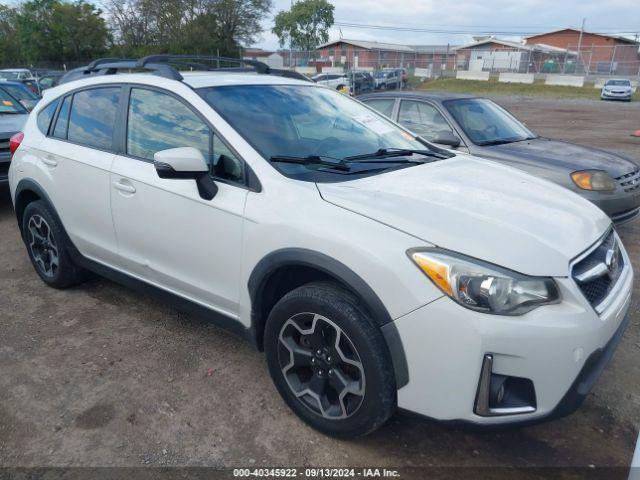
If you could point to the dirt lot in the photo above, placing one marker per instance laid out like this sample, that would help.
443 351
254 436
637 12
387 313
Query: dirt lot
98 375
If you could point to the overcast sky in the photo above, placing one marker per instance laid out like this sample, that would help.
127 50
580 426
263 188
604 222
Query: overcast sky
517 16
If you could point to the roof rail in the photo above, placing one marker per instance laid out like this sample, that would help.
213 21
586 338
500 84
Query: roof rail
161 65
101 61
177 59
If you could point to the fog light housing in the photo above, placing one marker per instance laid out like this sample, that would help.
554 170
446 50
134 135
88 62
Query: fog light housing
501 394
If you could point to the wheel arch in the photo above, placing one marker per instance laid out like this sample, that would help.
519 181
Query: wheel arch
283 270
28 191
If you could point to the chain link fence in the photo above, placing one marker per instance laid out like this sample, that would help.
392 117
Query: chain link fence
445 61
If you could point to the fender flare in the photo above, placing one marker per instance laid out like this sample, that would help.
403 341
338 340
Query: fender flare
333 268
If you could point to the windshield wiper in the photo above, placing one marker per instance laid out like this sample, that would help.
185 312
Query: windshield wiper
311 160
395 152
503 141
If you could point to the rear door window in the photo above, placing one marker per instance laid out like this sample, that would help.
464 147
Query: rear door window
93 115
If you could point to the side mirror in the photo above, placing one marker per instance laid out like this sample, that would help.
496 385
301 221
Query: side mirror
447 138
186 163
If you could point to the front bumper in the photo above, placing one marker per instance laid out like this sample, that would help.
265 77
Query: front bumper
621 207
561 348
615 95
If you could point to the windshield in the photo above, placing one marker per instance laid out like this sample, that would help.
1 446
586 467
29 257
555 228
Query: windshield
379 74
485 123
8 104
618 83
306 121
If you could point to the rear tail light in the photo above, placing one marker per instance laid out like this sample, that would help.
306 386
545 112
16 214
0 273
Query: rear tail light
15 141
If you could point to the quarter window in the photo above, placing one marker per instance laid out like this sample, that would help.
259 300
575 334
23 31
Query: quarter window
60 130
93 115
423 119
45 116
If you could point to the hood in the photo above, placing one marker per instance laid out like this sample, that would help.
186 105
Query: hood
556 154
479 208
11 123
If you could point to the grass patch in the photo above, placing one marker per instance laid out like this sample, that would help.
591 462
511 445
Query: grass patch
493 87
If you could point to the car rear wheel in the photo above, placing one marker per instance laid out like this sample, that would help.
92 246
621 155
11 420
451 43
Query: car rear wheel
329 362
47 247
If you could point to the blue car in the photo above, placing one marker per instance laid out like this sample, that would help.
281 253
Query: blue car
20 92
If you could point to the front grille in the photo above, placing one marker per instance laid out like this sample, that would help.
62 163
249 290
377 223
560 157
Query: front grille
630 181
598 272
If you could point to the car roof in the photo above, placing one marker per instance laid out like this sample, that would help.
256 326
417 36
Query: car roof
196 79
438 97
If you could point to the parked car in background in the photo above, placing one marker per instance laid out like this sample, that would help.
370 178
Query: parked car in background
617 89
332 80
483 128
361 82
49 80
21 92
12 119
21 75
376 270
16 74
388 79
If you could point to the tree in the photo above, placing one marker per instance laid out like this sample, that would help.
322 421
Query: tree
50 30
185 26
238 21
306 24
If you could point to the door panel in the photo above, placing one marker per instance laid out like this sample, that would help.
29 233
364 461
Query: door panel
170 236
167 234
81 176
79 161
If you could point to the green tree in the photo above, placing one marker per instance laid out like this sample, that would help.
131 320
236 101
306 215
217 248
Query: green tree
50 30
9 43
306 24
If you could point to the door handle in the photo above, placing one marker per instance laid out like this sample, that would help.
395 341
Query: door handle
123 187
49 161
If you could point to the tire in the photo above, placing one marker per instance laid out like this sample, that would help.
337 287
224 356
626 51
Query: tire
326 312
47 247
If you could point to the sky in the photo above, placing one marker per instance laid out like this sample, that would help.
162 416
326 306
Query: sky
462 16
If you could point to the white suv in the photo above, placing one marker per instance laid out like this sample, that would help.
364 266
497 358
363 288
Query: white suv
375 270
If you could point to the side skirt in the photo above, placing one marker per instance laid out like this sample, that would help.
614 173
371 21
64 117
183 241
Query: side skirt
179 303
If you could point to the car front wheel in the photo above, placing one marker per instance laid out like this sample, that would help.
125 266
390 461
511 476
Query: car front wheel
329 362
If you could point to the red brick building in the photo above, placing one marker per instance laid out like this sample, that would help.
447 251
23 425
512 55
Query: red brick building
598 53
374 55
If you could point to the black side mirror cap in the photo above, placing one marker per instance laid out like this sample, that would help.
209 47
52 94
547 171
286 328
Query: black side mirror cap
447 138
207 187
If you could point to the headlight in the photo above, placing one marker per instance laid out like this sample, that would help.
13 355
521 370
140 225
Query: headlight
484 287
593 180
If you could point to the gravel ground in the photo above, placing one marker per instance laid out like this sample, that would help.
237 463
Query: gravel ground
100 376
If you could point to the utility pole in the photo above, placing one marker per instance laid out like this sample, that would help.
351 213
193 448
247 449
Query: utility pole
290 45
580 41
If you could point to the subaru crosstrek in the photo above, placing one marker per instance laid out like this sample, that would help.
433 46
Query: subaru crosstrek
375 270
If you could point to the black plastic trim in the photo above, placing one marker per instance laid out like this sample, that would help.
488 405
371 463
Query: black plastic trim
325 264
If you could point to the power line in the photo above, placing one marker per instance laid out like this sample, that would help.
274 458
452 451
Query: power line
471 31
